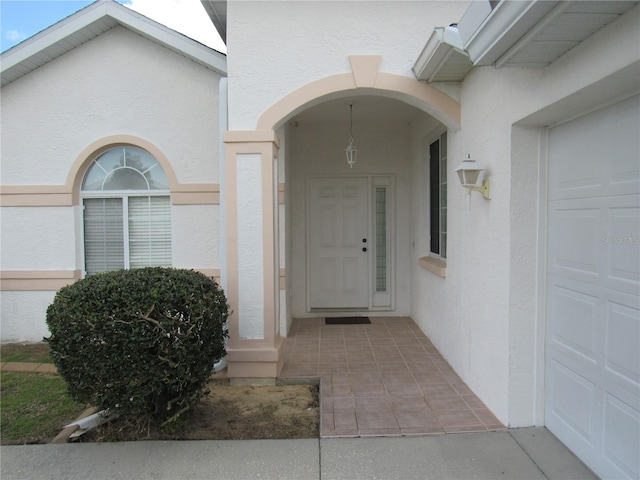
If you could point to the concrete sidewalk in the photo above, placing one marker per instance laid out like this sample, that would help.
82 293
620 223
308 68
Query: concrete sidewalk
529 453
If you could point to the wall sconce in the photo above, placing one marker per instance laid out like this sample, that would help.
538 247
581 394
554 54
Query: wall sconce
468 172
351 150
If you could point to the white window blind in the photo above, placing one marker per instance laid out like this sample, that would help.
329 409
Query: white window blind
149 232
103 233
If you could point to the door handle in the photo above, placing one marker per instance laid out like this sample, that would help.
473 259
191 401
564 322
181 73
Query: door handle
364 240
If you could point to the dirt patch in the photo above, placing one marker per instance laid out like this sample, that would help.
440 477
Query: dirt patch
245 412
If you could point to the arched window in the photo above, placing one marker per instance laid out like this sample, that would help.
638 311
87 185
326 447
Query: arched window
127 212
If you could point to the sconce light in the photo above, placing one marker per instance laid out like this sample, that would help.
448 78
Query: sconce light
468 172
351 150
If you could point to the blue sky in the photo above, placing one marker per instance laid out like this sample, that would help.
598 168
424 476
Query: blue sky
20 19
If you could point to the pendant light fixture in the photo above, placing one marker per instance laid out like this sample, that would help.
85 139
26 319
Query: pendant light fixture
351 150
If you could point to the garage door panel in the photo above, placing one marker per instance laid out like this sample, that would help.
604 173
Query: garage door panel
574 228
579 175
599 154
576 327
622 124
622 436
622 350
577 412
622 245
592 374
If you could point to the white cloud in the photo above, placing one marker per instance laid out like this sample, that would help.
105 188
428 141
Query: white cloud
14 36
185 16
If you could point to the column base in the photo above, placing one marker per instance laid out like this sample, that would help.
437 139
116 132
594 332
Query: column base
257 365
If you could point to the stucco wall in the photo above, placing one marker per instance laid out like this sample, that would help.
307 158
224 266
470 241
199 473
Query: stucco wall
117 84
277 46
484 316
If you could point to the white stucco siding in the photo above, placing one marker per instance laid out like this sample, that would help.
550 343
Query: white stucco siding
23 315
195 236
37 238
484 316
118 83
276 47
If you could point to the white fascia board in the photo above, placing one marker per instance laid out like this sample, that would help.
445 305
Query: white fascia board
121 15
441 44
182 44
502 28
53 35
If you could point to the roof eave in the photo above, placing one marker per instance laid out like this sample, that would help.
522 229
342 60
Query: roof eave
443 45
82 21
488 33
217 11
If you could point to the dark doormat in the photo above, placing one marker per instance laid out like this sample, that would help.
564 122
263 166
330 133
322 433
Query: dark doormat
347 321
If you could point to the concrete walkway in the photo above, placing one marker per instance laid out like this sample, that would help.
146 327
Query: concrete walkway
529 453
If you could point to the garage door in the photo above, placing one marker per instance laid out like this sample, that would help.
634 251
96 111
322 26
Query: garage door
592 377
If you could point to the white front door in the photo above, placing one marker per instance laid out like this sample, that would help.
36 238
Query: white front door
338 269
593 284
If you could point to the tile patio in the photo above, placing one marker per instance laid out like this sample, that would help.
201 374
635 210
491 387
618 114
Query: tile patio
382 379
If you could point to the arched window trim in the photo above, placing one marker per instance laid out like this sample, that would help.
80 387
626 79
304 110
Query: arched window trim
129 256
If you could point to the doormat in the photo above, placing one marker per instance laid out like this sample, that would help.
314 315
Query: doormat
347 321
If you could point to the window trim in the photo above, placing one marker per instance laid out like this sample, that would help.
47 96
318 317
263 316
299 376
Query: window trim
433 261
124 195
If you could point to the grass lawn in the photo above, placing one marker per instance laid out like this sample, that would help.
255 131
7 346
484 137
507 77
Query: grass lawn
25 352
34 407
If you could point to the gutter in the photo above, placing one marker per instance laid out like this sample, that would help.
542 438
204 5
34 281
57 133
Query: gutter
488 29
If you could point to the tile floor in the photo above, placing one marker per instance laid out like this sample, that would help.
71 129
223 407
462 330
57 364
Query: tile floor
386 378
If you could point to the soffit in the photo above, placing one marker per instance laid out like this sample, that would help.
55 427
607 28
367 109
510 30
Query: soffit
217 11
534 33
562 29
89 23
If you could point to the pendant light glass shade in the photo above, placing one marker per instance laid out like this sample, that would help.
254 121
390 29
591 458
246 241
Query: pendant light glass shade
351 150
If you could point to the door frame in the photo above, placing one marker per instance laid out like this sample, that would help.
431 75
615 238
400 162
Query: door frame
377 302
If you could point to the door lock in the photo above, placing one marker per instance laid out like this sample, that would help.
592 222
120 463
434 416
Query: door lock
364 240
364 249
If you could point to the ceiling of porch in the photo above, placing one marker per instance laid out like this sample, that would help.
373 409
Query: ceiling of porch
365 108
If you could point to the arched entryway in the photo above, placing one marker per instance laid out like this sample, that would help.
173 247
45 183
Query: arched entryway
255 182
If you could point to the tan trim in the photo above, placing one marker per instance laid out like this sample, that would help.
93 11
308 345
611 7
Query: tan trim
269 246
364 73
35 199
365 69
250 357
89 154
211 273
281 197
69 194
434 265
196 194
283 279
37 196
259 362
251 136
54 280
37 280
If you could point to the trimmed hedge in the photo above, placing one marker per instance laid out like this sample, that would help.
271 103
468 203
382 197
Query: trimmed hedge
139 342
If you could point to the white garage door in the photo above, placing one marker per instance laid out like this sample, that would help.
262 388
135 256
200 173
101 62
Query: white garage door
593 286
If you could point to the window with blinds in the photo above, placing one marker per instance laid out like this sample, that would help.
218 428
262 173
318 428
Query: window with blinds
127 212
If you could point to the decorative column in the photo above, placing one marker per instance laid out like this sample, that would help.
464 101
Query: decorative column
252 260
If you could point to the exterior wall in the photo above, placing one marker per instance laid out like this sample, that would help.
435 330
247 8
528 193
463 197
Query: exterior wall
484 316
275 47
118 85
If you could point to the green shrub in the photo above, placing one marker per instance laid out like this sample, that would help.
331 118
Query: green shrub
140 342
